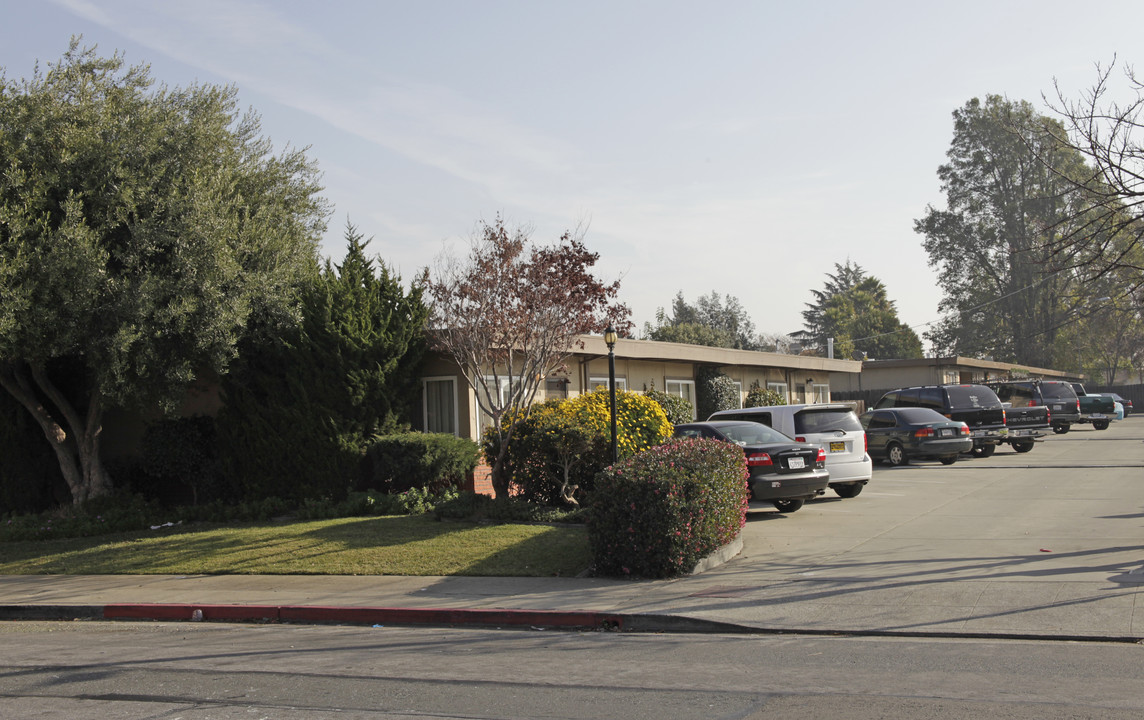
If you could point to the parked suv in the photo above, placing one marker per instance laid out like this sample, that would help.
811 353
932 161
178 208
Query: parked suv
833 427
1059 397
975 405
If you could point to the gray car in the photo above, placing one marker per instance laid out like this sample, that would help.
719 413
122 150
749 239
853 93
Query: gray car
898 434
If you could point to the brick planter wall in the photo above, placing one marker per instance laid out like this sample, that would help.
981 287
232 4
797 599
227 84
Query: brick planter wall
480 480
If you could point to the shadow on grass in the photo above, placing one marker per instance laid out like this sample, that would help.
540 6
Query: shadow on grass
404 545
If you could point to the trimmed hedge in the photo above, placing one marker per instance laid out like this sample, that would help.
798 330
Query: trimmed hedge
435 462
659 513
714 391
678 409
763 397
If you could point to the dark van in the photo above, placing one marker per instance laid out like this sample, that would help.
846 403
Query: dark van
975 405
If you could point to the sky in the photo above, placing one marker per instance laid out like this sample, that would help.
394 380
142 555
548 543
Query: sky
742 148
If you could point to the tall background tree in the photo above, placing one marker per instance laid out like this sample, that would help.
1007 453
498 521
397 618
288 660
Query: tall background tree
714 320
511 313
1010 195
304 403
141 228
855 310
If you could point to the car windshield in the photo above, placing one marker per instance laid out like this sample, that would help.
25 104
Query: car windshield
750 433
975 396
921 415
812 421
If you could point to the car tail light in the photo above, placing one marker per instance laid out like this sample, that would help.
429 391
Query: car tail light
756 459
821 455
1048 415
799 438
1003 416
964 429
923 432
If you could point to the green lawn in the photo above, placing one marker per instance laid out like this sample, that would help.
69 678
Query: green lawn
401 545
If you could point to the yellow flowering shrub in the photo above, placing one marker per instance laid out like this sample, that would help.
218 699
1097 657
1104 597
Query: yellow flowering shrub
557 451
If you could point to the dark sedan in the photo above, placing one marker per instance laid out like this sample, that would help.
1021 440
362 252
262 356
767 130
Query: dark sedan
783 472
898 434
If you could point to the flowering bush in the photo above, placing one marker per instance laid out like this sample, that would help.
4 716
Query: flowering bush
557 451
658 513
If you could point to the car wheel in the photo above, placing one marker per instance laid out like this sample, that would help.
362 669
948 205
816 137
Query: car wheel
948 459
787 506
1061 429
849 490
1100 424
983 451
1023 446
896 455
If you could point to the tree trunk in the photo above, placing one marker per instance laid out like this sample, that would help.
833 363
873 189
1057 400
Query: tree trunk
77 452
497 474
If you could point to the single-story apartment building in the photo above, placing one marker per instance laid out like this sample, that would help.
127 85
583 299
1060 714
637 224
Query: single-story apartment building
448 403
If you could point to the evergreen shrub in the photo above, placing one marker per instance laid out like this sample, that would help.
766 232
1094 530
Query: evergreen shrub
658 513
179 460
433 462
759 396
714 391
678 409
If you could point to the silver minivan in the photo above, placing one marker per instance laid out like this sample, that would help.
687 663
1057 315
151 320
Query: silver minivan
832 426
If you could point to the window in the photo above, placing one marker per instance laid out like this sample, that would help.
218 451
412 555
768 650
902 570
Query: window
556 387
780 388
439 404
684 389
821 392
490 382
738 393
602 382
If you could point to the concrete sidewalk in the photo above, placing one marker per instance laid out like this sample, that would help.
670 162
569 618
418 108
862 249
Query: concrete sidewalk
738 597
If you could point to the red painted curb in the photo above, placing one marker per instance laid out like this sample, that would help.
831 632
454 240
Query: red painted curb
363 615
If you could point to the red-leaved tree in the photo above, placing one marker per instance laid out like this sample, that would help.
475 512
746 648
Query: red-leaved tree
511 313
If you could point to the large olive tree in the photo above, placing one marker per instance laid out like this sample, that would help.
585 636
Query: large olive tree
141 227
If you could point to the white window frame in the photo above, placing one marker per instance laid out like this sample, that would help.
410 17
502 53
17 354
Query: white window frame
484 420
781 388
675 387
821 392
738 393
598 382
425 402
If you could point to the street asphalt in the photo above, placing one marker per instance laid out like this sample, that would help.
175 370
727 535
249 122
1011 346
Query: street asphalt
1048 544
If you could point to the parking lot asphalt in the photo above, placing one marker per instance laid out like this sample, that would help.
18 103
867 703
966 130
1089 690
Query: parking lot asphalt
1047 544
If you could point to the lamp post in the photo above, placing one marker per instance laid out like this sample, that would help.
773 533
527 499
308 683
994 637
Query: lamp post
610 340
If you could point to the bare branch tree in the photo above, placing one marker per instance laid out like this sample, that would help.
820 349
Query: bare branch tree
1104 233
511 314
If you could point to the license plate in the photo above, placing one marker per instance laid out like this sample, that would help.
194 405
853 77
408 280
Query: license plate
796 463
1098 416
946 432
837 447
